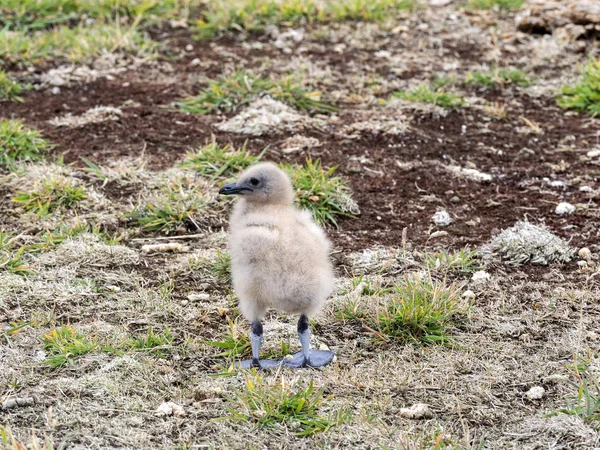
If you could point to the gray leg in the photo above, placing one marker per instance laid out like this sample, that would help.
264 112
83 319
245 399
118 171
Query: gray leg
256 335
308 357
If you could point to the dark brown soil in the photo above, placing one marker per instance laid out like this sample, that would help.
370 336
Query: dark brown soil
390 197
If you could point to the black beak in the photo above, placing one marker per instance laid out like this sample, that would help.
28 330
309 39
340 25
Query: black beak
234 188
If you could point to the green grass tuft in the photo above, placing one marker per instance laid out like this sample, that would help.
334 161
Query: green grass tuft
235 343
12 261
155 343
174 209
585 95
256 15
77 44
41 14
9 89
214 160
279 404
462 262
502 5
50 195
424 94
328 197
416 310
230 92
19 143
63 345
498 78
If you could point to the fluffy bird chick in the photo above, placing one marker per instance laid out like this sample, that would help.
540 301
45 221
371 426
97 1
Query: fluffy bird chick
279 259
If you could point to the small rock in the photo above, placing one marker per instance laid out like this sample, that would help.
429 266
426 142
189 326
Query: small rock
535 393
585 253
556 378
582 264
468 294
170 409
564 208
198 297
416 411
55 90
438 234
173 247
586 189
442 218
15 402
481 276
455 199
189 48
195 62
593 153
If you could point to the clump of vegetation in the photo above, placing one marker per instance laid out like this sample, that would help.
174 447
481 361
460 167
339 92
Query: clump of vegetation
438 96
76 44
585 95
235 343
13 262
280 404
502 5
51 194
230 92
152 342
256 15
8 441
42 14
528 243
498 78
19 143
416 310
586 404
461 262
64 344
9 89
214 160
328 197
173 209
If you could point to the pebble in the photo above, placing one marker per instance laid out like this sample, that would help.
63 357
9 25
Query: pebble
189 48
593 153
55 90
586 189
15 402
442 218
198 297
582 264
195 62
468 294
564 208
481 276
416 411
535 393
585 253
170 409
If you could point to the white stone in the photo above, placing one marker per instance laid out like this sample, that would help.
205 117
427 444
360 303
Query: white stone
535 393
442 218
416 411
468 294
564 208
195 297
586 189
585 253
170 409
481 276
593 153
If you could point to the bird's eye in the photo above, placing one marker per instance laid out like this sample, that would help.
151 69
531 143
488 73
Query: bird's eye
254 181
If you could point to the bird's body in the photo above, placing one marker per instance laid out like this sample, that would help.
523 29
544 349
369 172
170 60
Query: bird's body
279 259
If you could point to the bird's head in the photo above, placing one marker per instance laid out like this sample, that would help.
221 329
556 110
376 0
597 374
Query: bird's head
262 183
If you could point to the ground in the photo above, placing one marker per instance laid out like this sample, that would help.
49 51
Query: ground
507 153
